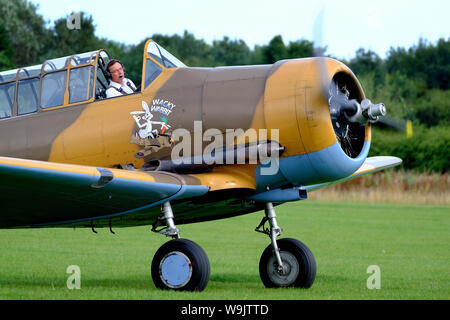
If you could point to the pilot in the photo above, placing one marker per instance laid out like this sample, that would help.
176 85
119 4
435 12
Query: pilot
119 85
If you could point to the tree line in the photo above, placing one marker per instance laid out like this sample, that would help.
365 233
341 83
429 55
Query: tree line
413 83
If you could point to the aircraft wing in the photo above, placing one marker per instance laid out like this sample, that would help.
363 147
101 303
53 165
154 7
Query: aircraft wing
39 193
371 165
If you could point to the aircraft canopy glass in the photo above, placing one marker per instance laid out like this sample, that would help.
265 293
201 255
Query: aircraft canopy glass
53 65
162 56
56 82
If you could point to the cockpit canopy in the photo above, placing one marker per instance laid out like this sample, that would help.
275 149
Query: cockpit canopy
62 81
71 80
156 59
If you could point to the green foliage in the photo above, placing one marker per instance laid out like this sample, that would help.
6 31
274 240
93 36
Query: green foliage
408 98
424 61
26 29
63 41
6 50
367 62
433 109
300 49
227 52
193 52
427 150
276 50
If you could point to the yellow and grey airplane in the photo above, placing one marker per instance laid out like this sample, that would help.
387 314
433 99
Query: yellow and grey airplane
190 145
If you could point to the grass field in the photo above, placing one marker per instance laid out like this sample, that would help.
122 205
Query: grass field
409 243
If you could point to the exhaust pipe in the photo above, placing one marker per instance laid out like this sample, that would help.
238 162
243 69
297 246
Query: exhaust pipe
239 154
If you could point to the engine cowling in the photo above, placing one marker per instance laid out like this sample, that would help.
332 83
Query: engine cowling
320 145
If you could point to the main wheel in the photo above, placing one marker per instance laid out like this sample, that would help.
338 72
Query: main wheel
299 265
180 264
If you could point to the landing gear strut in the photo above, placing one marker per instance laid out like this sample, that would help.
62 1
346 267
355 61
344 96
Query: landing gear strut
286 262
273 232
166 220
179 264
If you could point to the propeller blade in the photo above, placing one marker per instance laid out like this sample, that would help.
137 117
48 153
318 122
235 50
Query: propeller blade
398 124
319 51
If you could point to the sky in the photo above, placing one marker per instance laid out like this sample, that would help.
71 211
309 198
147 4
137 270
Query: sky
347 24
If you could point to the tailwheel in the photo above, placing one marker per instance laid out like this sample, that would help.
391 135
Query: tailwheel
298 267
180 264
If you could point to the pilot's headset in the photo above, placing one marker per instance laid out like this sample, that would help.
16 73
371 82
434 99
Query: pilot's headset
110 63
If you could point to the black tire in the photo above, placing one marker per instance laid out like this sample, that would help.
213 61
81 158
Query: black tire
180 264
299 262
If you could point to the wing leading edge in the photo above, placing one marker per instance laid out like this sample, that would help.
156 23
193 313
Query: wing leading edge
370 165
39 193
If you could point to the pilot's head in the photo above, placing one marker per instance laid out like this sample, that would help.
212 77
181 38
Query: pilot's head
115 69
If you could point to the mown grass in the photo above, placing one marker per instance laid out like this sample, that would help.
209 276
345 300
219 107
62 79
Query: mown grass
410 244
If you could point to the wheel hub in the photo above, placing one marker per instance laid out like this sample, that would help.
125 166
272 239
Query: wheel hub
175 269
285 275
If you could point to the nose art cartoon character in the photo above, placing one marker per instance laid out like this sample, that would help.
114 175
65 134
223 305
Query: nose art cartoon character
144 122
